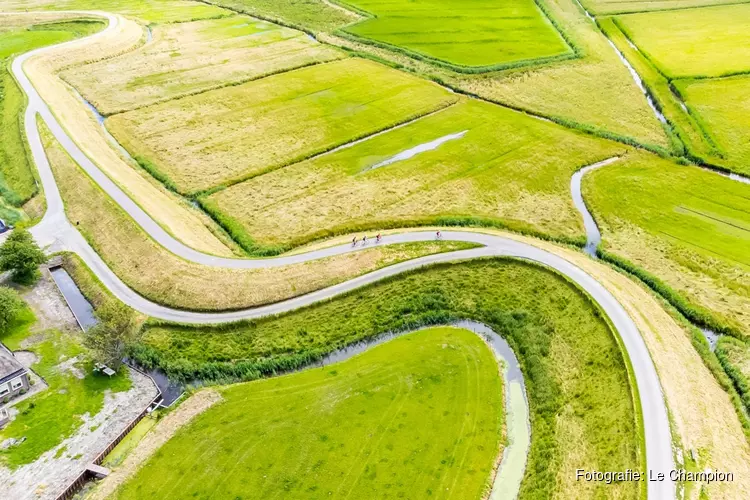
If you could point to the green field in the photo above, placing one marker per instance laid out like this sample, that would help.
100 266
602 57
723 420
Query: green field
706 42
17 183
723 108
692 138
47 418
508 170
580 399
147 11
620 6
314 15
186 58
689 227
222 136
418 416
594 91
476 33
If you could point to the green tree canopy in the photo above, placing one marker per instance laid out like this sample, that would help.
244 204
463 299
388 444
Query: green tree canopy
108 339
10 306
21 255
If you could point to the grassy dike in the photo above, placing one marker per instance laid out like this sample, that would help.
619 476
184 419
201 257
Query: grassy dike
421 415
580 398
164 278
17 178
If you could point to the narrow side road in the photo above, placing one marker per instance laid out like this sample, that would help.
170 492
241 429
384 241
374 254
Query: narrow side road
58 234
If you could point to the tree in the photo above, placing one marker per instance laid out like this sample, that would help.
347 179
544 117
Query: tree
10 306
108 339
21 255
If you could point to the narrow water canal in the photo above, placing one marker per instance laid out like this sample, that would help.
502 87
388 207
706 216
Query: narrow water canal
82 309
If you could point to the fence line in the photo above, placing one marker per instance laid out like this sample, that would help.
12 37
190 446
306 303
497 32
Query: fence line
82 478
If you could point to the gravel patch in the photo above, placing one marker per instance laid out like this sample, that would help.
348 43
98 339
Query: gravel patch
26 358
49 306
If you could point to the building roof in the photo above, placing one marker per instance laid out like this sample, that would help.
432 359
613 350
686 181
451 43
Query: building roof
9 367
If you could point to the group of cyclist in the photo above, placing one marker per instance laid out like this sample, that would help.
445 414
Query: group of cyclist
379 238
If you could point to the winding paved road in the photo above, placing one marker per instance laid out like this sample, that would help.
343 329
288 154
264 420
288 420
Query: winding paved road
55 232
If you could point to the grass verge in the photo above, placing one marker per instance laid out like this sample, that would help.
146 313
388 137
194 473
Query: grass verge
17 176
734 356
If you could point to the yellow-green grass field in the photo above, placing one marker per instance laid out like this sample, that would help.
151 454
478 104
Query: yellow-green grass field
705 42
311 15
605 7
190 57
17 181
508 169
594 91
694 139
421 415
165 278
465 34
686 226
722 106
49 417
224 136
580 400
146 11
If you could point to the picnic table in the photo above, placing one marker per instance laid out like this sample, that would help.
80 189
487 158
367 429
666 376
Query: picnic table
100 367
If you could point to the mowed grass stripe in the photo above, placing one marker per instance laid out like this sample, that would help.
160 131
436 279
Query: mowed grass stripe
705 42
224 136
472 34
508 169
389 421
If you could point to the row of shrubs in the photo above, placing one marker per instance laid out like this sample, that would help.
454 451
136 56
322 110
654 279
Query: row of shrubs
739 380
694 313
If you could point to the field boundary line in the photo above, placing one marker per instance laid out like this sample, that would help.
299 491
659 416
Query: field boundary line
691 7
305 157
219 86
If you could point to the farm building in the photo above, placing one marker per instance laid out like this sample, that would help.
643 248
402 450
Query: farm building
14 378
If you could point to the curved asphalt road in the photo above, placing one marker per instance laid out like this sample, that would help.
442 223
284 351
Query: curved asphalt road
58 234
